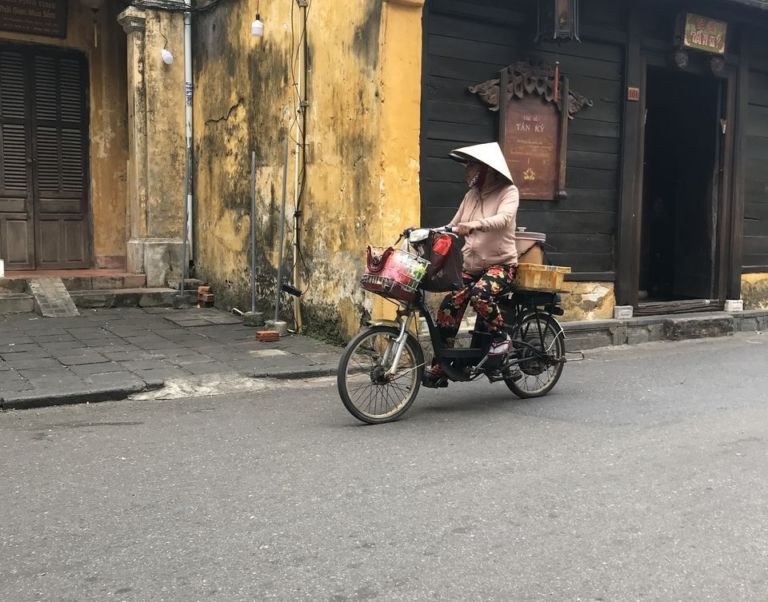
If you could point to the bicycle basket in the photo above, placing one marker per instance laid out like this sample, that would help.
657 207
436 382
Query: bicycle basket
393 273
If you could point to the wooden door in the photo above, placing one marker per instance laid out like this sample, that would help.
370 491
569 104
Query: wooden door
43 158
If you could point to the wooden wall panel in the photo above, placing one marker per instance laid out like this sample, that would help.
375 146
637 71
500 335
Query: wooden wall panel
755 253
469 42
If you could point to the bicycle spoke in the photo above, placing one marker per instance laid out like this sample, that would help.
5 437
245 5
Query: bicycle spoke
369 388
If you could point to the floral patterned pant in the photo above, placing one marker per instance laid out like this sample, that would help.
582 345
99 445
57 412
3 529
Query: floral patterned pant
481 292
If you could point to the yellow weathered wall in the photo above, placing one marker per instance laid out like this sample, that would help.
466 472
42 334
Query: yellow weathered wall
165 104
362 134
588 301
101 39
754 291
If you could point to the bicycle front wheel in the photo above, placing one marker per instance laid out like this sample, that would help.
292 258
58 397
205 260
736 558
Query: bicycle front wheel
539 343
368 392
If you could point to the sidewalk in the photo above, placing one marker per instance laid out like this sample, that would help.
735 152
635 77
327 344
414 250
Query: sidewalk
109 354
112 353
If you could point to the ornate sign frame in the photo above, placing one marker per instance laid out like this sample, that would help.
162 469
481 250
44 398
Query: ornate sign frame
533 132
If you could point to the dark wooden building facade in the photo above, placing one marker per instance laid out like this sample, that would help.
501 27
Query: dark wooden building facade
666 172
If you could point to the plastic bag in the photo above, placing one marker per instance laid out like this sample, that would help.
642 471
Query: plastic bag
446 262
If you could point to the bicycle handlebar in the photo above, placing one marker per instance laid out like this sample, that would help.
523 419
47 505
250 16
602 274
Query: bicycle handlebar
441 230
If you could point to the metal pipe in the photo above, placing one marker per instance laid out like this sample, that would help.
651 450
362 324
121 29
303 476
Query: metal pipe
301 160
253 232
278 286
188 117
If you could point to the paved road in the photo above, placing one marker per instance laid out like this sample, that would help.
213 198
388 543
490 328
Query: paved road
641 477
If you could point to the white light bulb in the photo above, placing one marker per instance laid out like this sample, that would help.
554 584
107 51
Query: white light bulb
257 27
167 56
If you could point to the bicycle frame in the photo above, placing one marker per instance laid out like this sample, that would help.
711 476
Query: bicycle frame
463 364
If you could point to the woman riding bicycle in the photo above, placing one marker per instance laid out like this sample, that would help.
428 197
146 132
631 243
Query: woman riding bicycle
487 220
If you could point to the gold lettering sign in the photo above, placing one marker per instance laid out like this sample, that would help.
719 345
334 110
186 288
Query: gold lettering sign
36 17
531 144
535 105
702 33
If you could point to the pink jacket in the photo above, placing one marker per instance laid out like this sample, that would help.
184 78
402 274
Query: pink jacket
493 214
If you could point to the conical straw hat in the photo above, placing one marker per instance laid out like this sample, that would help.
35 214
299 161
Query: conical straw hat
489 154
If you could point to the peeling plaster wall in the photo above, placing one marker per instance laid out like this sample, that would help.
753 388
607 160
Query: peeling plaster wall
359 188
588 301
165 125
754 291
100 38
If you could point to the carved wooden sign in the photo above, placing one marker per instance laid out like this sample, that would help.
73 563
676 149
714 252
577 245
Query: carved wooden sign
533 132
37 17
530 141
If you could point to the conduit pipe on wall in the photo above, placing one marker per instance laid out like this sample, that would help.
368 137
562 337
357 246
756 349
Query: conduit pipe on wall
301 160
188 252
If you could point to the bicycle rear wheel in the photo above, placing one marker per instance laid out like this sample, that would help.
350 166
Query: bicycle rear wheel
366 390
539 342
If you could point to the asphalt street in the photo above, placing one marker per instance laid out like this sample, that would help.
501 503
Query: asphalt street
642 476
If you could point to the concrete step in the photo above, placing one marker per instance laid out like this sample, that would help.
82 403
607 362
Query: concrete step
16 303
698 326
74 280
52 299
9 285
124 297
601 333
106 282
190 284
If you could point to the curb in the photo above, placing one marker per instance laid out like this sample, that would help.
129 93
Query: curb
292 374
28 400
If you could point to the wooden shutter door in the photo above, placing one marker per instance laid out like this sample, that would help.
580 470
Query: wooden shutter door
60 147
16 226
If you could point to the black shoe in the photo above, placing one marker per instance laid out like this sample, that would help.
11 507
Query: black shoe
512 374
434 378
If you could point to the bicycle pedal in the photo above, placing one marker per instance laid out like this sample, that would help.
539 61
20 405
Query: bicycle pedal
434 383
496 376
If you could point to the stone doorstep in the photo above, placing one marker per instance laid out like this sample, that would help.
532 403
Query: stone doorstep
16 303
124 297
11 285
99 283
52 298
697 326
78 282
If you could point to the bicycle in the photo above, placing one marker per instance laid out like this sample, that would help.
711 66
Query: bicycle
382 367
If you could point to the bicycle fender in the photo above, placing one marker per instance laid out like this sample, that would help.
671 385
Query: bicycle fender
391 323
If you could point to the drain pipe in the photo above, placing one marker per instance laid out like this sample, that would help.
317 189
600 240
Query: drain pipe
189 246
300 167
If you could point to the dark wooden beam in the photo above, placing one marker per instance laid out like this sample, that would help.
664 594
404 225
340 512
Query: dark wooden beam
739 158
630 205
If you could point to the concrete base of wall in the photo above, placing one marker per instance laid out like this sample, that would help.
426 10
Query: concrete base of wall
16 303
140 297
592 334
159 258
581 336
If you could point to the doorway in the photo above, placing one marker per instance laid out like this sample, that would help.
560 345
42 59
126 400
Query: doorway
43 158
683 133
